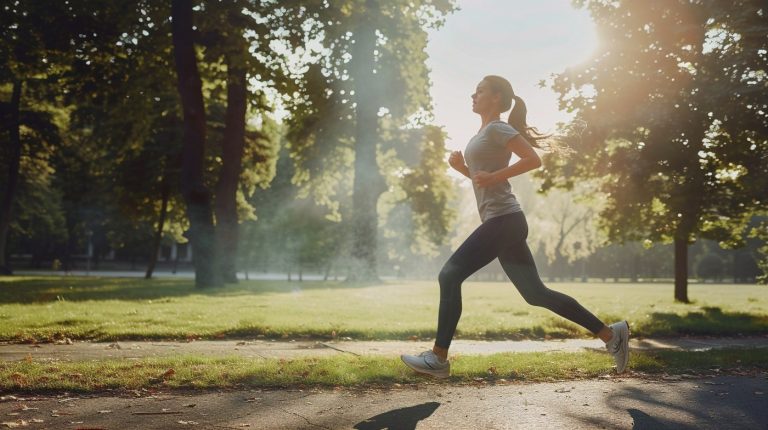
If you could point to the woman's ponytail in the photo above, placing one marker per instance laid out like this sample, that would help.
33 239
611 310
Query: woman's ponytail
518 114
517 119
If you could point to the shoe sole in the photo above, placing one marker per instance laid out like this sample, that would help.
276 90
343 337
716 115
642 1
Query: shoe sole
425 371
625 341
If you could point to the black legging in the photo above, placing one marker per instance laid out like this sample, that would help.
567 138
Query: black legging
503 237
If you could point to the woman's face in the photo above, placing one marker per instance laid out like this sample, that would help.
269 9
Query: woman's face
484 100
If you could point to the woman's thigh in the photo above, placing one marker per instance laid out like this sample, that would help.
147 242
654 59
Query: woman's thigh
479 249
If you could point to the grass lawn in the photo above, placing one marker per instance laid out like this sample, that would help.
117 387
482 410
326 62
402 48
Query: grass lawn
237 372
47 308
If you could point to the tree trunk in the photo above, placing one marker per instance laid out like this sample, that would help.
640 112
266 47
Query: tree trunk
681 269
69 247
229 177
368 182
14 163
166 193
193 189
635 269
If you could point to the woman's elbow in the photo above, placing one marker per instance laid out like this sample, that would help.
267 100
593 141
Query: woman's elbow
535 162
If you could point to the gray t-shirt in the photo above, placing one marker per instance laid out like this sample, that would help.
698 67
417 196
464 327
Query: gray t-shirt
488 151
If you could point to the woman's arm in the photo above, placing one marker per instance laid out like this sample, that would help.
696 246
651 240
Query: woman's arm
529 160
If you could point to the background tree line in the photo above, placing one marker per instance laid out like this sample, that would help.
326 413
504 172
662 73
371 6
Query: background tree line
143 119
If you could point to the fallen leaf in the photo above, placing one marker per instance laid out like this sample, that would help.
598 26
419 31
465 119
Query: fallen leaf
18 378
168 373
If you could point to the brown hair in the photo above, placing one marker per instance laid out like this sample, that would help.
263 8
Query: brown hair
501 86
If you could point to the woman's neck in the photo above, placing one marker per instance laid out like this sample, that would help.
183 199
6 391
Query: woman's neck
488 118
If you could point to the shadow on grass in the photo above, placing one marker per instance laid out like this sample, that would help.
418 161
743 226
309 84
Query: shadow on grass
49 289
403 418
712 321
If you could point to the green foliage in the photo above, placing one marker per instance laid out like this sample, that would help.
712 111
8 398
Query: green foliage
416 210
102 77
326 122
290 232
670 106
760 232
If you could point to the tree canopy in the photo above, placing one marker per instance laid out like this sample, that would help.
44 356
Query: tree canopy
674 104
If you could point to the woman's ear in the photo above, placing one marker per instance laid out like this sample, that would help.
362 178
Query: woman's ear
497 99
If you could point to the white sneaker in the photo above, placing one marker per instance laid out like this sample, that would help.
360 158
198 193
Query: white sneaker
618 346
427 362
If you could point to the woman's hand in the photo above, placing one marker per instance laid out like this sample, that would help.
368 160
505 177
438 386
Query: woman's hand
456 160
484 179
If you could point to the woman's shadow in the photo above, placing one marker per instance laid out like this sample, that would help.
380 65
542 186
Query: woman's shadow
399 419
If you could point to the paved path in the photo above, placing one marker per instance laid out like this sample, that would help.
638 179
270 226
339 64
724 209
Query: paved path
295 349
733 402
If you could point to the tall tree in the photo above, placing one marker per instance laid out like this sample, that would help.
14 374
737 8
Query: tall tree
242 49
35 53
368 181
196 194
653 101
14 164
370 79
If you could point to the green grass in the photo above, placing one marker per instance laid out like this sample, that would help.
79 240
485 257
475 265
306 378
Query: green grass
46 308
345 371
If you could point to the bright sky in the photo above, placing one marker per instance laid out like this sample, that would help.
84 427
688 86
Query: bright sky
523 40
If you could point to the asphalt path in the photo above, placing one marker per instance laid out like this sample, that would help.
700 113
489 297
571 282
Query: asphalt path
727 402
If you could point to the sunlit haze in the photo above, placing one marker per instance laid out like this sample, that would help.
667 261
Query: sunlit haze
524 41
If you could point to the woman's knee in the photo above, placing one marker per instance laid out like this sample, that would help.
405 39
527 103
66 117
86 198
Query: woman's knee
450 280
546 298
538 298
449 275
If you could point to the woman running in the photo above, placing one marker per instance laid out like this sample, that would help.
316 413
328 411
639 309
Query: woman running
504 229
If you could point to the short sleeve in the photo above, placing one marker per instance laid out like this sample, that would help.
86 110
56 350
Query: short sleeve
500 133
